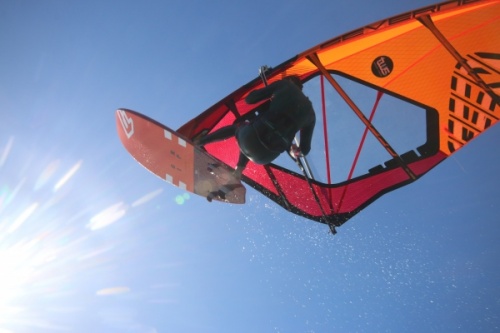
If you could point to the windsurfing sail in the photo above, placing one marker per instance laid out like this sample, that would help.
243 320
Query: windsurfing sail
433 73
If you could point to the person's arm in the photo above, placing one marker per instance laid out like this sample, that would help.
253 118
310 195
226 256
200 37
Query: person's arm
306 134
262 94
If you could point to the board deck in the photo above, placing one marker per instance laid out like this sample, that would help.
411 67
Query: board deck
176 160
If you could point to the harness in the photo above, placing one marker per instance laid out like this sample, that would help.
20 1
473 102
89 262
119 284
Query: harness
271 138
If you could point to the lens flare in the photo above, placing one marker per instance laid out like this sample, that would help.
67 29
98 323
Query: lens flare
181 198
71 172
107 216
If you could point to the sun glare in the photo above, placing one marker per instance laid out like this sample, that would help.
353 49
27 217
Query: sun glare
56 262
34 239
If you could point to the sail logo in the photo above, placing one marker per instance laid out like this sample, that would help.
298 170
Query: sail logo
382 66
471 109
127 123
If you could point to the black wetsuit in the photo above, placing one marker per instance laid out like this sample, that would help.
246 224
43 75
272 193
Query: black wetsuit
289 112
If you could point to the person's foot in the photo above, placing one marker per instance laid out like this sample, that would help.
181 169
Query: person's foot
237 173
198 140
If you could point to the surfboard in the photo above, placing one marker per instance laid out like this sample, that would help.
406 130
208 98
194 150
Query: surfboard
175 159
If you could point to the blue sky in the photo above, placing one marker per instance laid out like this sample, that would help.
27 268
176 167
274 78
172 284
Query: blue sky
90 241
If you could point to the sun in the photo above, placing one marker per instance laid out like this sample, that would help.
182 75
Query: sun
16 273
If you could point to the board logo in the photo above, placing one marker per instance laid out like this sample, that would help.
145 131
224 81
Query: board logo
127 123
382 66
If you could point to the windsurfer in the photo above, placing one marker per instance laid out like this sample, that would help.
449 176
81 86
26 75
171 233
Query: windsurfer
263 139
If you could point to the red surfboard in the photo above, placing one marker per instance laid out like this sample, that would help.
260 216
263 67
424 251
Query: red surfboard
176 160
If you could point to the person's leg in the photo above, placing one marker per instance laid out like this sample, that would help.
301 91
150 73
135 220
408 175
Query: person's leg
221 134
242 163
